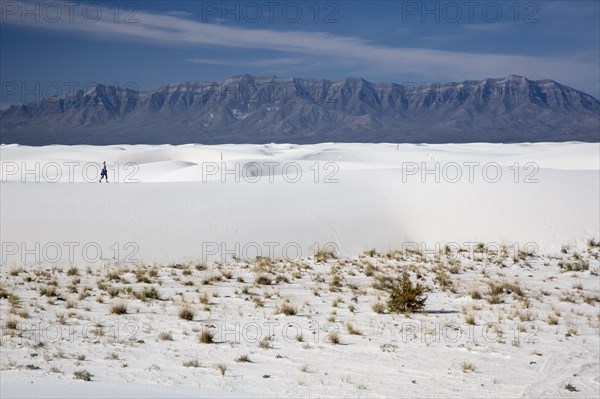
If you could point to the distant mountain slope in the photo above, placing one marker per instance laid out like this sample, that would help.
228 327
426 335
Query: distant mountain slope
246 109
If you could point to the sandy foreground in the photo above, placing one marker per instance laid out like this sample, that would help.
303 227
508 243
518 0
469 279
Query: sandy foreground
503 238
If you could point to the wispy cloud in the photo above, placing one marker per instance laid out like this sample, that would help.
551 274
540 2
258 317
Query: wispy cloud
180 13
489 27
336 49
265 62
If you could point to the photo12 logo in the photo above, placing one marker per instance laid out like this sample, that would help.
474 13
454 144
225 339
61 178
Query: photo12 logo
253 12
68 172
22 92
266 332
71 252
254 172
68 12
468 172
461 12
33 333
452 332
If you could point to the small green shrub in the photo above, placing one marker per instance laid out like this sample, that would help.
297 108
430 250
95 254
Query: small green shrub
406 296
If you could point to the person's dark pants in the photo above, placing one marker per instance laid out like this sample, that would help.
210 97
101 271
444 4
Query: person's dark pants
102 176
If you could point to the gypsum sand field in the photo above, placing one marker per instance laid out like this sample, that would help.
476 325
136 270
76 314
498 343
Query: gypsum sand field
494 324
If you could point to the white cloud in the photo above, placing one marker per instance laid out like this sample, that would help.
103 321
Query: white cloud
266 62
180 13
490 27
335 49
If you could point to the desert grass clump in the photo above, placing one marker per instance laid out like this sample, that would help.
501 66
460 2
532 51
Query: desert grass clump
186 313
378 307
591 243
113 291
353 330
263 279
222 369
259 303
406 296
15 271
243 359
322 255
83 375
262 264
288 309
13 299
470 319
525 316
204 299
165 336
494 299
577 266
147 293
265 343
442 278
467 367
571 388
192 363
49 291
11 324
71 304
334 338
206 337
370 269
118 308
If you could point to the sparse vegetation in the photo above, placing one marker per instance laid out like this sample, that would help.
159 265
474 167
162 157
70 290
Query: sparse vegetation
334 338
186 313
353 330
192 363
222 369
265 343
263 279
243 359
83 375
467 367
206 336
165 336
571 388
322 255
118 308
378 307
288 309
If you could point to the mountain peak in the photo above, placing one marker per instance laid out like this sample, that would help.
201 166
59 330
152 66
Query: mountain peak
268 109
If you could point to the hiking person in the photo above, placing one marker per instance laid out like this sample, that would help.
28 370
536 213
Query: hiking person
104 172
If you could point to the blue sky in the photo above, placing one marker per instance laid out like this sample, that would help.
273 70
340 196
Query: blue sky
49 48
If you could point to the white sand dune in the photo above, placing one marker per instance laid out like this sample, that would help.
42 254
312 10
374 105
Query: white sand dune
168 209
353 196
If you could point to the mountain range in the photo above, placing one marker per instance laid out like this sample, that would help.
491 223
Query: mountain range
248 109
